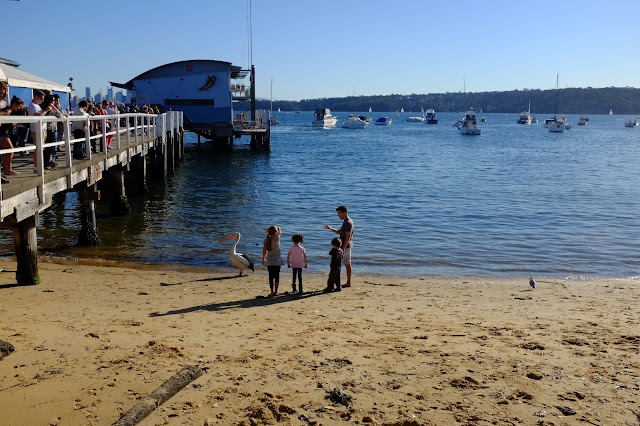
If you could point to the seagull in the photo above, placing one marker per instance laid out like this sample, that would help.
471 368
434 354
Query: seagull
532 283
239 260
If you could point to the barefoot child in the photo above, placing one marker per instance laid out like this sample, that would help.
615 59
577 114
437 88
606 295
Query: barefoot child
297 259
336 262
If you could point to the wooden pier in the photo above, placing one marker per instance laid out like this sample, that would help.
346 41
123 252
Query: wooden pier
139 140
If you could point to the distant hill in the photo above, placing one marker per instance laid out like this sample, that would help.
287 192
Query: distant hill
622 100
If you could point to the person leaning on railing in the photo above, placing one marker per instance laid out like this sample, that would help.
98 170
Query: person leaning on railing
78 131
5 137
37 111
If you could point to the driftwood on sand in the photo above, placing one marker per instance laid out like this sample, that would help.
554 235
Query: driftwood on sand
159 396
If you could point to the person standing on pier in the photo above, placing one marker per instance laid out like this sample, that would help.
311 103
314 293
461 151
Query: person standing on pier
5 137
78 131
346 236
36 111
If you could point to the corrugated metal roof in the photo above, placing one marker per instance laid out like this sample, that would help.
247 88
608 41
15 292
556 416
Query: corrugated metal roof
15 77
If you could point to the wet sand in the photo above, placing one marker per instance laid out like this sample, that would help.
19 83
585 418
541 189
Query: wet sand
91 341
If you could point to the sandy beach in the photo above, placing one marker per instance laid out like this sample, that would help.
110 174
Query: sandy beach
91 341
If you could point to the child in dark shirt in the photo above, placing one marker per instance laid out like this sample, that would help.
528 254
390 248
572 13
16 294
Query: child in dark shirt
336 263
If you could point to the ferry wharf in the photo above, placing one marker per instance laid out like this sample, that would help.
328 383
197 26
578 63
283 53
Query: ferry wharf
140 143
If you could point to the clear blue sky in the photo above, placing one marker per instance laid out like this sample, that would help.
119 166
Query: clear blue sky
324 49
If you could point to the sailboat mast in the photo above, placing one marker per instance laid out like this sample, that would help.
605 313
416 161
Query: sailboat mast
271 111
555 108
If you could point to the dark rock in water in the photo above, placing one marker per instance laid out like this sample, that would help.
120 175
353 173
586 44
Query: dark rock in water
5 349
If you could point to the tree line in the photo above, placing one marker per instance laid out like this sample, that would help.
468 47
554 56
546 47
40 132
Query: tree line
621 100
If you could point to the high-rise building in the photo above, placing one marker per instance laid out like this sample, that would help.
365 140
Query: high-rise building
110 93
88 92
119 97
97 98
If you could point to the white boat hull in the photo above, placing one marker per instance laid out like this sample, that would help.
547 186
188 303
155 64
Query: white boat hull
471 132
415 119
326 123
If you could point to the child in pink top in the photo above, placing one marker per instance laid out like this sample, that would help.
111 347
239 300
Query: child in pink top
297 259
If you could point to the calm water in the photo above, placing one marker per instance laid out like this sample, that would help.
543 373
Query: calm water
425 200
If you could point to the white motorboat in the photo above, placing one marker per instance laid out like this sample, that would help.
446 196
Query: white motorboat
415 119
383 121
469 124
557 126
274 121
431 117
525 116
323 118
483 119
582 121
631 122
355 122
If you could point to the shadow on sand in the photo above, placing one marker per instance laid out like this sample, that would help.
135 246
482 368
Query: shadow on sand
244 303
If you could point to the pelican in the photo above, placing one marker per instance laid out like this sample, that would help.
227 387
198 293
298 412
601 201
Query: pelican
532 283
239 260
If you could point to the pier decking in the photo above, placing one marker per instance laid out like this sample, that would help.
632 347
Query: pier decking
144 139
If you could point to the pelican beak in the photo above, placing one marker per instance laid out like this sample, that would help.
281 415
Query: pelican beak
230 237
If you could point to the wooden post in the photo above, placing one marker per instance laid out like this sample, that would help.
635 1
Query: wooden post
119 203
25 242
88 235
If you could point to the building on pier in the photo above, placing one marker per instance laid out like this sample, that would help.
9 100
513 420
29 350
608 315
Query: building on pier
22 84
204 90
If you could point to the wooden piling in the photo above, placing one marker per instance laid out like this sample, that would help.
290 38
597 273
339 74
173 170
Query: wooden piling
88 235
119 203
25 242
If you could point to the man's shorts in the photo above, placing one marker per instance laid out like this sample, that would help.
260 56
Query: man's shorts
346 256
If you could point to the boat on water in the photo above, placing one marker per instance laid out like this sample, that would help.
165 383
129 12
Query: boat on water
431 116
383 121
631 122
582 121
356 122
370 109
415 119
323 118
483 119
274 121
469 124
557 124
525 116
401 109
610 112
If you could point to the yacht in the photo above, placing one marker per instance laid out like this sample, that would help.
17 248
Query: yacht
525 116
274 121
483 119
383 121
323 118
556 126
631 122
355 122
469 124
431 117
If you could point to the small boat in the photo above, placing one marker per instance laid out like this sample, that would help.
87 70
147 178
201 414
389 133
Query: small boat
369 109
631 122
431 117
549 121
610 112
401 109
355 122
483 119
278 109
557 126
469 124
383 121
582 121
415 119
323 118
525 116
274 121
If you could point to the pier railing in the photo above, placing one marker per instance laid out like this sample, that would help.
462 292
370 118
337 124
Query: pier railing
126 129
